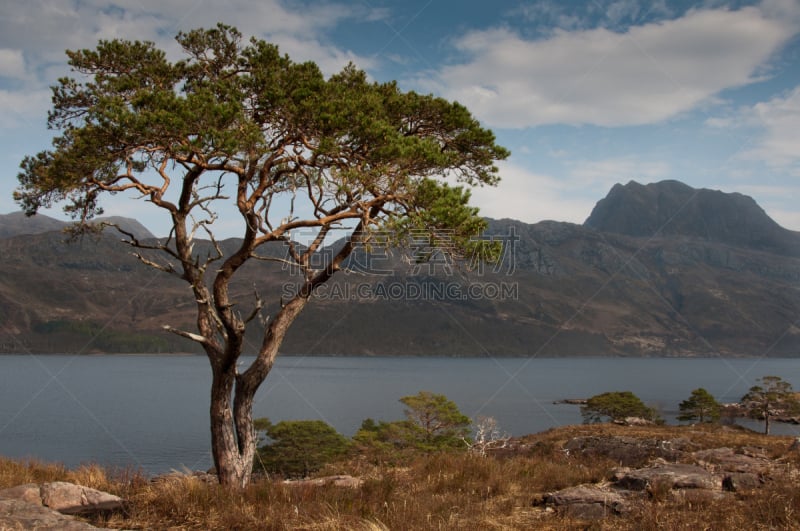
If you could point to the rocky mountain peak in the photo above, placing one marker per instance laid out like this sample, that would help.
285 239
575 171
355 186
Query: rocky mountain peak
672 208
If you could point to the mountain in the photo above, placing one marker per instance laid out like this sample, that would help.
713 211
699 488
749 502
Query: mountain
644 276
671 208
18 224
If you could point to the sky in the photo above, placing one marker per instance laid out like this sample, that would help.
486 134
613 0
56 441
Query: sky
585 94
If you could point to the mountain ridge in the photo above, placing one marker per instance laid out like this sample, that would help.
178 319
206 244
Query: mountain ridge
577 291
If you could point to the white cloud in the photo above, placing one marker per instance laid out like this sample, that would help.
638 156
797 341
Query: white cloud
605 173
779 146
644 75
789 219
769 131
20 108
69 25
12 64
531 197
44 29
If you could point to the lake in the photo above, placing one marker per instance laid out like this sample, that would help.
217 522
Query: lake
150 412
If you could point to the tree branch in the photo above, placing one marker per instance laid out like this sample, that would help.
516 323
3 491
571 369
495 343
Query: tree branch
188 335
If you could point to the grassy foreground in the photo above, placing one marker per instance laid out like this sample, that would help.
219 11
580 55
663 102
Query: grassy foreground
444 491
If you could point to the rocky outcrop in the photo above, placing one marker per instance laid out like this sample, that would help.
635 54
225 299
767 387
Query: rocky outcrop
657 468
19 514
586 501
666 476
68 498
627 451
51 506
742 470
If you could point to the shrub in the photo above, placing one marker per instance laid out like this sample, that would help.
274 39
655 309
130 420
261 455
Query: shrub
299 447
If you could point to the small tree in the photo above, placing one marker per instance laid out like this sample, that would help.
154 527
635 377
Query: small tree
773 395
299 447
488 436
283 148
382 435
433 422
701 405
616 405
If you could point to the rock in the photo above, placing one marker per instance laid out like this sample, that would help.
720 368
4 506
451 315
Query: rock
336 481
68 498
588 502
668 475
176 475
700 496
347 481
29 492
634 421
738 481
795 446
726 460
19 514
627 451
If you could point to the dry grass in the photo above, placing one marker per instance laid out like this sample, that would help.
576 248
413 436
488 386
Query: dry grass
442 491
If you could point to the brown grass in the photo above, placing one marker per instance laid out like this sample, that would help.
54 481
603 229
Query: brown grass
442 491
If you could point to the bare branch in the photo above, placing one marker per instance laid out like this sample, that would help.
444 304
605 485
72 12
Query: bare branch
323 232
257 310
168 268
188 335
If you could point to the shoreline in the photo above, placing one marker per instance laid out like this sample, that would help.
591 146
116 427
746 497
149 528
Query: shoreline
407 356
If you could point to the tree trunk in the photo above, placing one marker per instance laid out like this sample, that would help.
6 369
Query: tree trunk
233 437
766 423
230 462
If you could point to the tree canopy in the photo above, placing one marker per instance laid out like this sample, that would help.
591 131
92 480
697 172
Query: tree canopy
616 405
433 422
773 393
239 124
701 405
296 448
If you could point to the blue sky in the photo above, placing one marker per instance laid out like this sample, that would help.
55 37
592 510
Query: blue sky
585 94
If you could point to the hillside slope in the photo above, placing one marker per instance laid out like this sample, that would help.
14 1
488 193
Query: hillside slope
693 286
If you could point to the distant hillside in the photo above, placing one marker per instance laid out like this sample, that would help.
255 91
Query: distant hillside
701 287
18 224
671 208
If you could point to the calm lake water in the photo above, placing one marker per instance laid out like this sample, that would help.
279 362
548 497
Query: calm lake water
150 412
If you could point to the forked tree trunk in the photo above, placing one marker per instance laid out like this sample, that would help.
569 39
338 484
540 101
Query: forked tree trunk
233 437
233 460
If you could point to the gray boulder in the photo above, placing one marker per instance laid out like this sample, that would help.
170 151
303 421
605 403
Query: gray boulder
19 514
68 498
29 492
627 451
585 501
667 475
727 460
